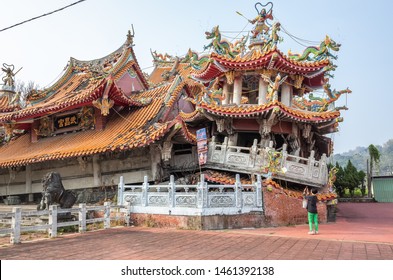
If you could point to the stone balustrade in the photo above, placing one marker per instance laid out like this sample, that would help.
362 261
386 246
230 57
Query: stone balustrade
192 200
258 160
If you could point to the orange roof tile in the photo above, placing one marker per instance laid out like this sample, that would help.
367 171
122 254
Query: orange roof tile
297 193
223 178
5 106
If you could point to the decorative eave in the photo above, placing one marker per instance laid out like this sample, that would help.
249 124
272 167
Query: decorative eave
59 105
181 129
313 71
135 128
257 111
105 88
174 92
196 115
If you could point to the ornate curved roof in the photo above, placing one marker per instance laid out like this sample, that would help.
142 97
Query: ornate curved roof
273 59
127 129
116 76
257 111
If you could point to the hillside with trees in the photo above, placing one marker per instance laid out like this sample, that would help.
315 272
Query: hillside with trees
360 155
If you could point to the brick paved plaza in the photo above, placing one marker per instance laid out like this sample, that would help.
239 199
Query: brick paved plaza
363 231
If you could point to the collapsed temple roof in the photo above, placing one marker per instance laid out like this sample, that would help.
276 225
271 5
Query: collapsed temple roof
136 111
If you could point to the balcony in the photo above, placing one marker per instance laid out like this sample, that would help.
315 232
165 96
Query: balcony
268 162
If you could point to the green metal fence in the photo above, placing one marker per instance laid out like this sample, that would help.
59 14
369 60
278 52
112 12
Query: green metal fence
383 188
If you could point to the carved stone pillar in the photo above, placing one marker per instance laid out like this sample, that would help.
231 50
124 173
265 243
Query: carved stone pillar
155 158
286 95
166 151
233 139
29 189
225 92
237 90
262 90
97 179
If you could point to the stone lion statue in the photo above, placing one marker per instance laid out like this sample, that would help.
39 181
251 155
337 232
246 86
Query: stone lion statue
54 193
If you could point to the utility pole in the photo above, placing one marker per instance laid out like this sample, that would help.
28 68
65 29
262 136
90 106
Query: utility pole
368 180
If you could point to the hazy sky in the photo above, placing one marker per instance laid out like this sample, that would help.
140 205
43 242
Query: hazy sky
95 28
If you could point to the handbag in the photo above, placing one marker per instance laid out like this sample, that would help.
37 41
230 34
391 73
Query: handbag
304 203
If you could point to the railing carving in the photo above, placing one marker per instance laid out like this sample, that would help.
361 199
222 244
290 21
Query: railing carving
200 199
256 158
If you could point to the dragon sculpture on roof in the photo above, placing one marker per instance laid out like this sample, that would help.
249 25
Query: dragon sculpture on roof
194 60
319 53
222 46
319 104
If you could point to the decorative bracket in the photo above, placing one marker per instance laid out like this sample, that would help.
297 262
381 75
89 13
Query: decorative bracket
104 104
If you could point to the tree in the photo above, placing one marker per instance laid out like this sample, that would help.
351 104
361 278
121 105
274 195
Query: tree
351 178
339 184
25 89
375 156
362 176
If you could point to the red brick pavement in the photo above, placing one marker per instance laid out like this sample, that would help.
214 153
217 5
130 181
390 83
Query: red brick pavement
362 232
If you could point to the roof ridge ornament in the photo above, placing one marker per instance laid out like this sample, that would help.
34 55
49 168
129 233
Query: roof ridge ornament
8 79
130 36
222 46
263 6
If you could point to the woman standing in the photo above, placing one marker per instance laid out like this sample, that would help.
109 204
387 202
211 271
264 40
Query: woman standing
312 209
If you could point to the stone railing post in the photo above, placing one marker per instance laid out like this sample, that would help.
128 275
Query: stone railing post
323 170
211 148
224 150
284 155
53 221
311 162
145 192
120 191
238 192
172 191
107 215
202 193
127 215
258 191
15 225
82 217
253 153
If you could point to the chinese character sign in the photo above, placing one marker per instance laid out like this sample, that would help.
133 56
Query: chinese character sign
202 146
66 121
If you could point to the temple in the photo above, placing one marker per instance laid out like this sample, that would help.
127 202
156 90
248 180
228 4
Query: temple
245 109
